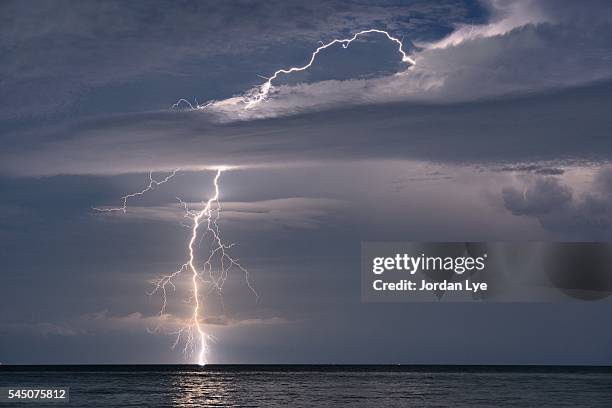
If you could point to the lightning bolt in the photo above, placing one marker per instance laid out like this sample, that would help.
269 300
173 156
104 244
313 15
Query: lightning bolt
262 92
191 265
193 332
149 187
212 273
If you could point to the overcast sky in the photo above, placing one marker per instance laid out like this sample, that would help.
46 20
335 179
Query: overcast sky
499 132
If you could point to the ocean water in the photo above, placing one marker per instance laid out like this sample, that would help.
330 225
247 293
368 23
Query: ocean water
321 386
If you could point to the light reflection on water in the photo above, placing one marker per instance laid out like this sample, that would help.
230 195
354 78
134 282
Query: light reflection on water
281 386
194 388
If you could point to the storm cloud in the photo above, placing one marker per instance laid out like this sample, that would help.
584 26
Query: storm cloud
433 110
585 216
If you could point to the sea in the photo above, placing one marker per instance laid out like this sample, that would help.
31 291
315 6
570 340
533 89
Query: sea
315 385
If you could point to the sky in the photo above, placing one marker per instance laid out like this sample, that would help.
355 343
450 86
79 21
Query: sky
498 132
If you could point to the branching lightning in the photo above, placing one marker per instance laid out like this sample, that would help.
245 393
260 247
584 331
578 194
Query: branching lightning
216 266
261 92
213 272
152 184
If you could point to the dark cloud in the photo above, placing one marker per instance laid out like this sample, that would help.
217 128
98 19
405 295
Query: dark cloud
565 125
550 171
525 48
523 51
542 169
543 196
58 53
586 216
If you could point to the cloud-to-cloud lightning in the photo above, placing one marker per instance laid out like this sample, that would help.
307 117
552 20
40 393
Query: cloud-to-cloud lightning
261 92
152 184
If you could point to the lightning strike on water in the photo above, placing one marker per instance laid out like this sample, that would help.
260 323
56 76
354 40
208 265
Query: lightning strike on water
213 274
